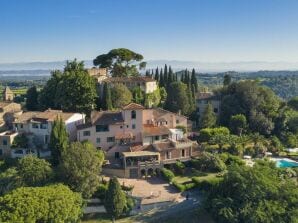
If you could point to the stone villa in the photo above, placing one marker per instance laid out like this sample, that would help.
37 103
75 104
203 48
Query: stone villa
37 127
203 99
138 141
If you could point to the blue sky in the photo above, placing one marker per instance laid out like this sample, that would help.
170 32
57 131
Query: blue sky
197 30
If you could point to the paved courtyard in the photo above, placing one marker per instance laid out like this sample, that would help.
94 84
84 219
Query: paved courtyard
152 190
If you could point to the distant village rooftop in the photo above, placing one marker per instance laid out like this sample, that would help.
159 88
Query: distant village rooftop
48 115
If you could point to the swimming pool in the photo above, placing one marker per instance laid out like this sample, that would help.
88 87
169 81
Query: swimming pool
283 163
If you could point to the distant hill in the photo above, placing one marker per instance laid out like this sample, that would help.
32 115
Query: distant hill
214 67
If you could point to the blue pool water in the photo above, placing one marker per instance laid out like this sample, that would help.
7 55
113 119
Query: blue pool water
286 163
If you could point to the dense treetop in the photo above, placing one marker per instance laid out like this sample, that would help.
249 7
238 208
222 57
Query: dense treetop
121 62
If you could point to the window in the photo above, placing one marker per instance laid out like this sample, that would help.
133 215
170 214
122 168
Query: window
198 109
46 139
133 114
215 110
4 142
183 152
35 126
110 139
168 155
1 152
86 133
21 126
97 140
127 126
164 136
121 126
177 121
133 126
44 126
102 128
156 137
116 155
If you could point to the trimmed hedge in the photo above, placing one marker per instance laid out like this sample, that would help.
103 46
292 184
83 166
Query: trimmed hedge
184 186
206 184
167 174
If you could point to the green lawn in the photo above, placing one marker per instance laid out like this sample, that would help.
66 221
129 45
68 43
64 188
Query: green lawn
187 177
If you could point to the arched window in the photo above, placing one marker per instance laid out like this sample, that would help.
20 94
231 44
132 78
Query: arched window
133 114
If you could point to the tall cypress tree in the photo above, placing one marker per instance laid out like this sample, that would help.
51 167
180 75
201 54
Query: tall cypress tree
161 78
106 98
58 141
156 77
194 80
191 100
170 76
115 199
32 99
165 76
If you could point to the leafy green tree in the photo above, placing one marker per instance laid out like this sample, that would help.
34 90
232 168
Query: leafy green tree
259 105
121 95
73 90
56 203
9 180
32 99
209 162
227 80
81 166
138 95
77 90
208 119
121 62
115 199
163 95
20 141
49 93
106 98
34 171
58 140
207 133
153 99
293 103
238 124
177 98
268 199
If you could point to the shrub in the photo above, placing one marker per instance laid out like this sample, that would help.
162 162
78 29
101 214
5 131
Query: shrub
167 174
101 191
127 188
209 162
229 159
183 186
206 184
179 167
207 133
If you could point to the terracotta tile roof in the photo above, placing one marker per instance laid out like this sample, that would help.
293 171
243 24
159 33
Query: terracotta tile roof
139 153
84 126
48 115
159 112
206 95
106 118
124 135
133 106
150 130
163 146
4 104
129 79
